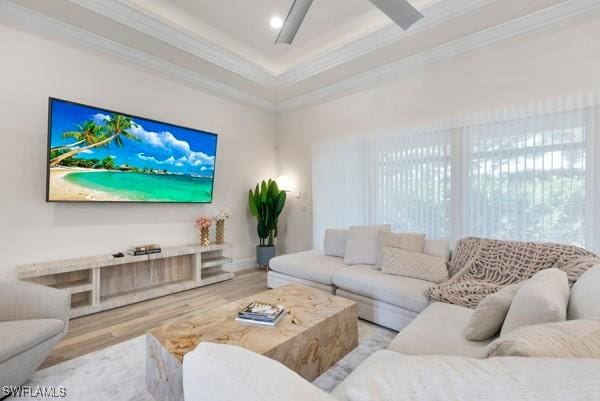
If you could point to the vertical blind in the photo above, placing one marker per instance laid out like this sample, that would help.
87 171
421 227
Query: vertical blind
411 183
522 173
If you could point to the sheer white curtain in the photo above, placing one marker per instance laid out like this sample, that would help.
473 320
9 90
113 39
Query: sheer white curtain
399 180
411 183
523 173
527 173
340 186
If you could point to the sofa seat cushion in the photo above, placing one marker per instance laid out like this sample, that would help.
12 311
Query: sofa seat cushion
310 265
404 292
387 375
439 330
20 335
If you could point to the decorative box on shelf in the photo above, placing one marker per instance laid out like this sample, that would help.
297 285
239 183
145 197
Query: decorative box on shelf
98 283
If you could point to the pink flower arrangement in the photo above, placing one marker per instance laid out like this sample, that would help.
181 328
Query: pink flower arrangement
203 222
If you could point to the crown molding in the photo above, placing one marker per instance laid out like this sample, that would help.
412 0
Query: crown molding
123 13
27 19
117 10
519 26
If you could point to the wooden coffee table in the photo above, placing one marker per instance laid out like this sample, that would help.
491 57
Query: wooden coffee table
317 331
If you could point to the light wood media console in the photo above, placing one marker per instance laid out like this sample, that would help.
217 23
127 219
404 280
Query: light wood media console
104 282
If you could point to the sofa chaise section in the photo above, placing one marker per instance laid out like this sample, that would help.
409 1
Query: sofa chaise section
389 300
439 330
229 373
389 375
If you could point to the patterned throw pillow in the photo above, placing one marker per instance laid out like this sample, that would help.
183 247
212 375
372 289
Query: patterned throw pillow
570 339
399 262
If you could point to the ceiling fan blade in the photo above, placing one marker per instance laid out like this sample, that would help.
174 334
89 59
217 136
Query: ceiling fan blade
399 11
293 21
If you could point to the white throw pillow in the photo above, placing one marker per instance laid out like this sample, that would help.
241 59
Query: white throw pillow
585 296
362 244
541 299
399 262
489 315
570 339
335 242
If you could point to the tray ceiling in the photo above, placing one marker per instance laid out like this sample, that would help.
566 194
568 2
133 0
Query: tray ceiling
226 46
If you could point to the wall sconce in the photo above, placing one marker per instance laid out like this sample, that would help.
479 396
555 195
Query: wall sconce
286 183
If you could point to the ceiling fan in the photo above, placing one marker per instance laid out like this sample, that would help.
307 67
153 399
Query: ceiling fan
399 11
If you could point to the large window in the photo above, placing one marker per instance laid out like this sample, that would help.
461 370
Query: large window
527 179
522 175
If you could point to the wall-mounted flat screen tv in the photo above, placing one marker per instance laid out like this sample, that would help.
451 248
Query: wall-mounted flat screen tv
99 155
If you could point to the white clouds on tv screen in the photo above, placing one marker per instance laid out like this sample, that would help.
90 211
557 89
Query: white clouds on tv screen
168 142
100 118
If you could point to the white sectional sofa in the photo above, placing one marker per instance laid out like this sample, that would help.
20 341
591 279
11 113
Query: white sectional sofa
388 300
215 372
429 359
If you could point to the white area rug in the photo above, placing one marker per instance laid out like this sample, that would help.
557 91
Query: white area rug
117 373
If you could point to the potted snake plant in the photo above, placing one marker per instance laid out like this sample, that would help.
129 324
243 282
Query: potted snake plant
266 203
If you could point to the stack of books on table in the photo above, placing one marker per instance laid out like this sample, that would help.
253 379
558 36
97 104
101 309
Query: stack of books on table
144 250
260 313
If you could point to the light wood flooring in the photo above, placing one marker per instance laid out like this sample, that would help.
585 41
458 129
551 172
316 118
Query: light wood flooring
90 333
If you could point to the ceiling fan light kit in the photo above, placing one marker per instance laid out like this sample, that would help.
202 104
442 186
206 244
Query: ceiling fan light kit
399 11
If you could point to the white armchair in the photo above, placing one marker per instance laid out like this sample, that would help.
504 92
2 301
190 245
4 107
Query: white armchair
33 318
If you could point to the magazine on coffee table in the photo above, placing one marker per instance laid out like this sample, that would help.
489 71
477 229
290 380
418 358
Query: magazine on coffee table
261 313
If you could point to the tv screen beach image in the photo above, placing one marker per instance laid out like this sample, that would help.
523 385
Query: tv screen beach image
100 155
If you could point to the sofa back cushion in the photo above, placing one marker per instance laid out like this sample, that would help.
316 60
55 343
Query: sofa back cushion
437 247
413 264
570 339
541 299
585 296
335 242
362 244
219 372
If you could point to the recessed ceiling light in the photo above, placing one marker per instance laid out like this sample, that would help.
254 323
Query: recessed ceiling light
276 22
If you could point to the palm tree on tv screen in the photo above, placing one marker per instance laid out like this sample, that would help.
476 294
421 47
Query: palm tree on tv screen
94 136
118 127
89 132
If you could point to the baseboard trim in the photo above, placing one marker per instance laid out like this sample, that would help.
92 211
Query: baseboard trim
240 264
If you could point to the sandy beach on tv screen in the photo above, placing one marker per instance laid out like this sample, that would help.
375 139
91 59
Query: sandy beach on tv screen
63 190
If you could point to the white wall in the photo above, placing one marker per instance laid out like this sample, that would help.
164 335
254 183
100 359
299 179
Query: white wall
31 70
557 61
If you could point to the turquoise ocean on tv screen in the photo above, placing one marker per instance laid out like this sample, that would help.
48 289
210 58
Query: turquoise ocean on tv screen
146 187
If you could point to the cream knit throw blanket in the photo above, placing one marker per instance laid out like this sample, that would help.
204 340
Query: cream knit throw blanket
480 267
